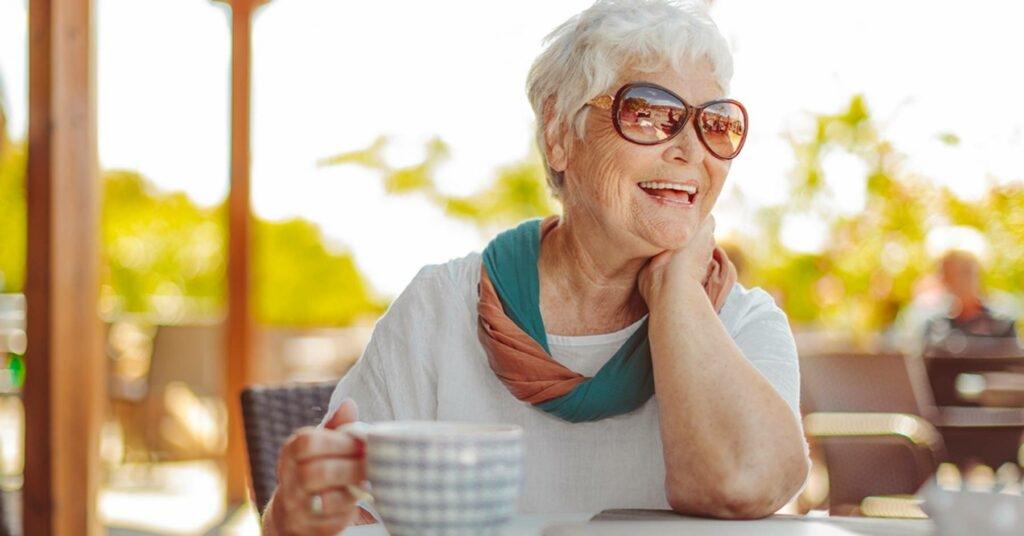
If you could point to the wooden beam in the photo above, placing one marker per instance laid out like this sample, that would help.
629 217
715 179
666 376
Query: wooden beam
239 318
65 372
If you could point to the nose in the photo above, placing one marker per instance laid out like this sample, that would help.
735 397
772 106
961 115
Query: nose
685 147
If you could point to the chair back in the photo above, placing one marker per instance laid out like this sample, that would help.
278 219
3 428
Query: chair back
959 345
861 382
884 458
873 466
271 414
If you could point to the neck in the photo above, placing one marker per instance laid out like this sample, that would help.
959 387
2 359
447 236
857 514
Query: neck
588 283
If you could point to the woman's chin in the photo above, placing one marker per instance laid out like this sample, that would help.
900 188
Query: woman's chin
670 239
668 232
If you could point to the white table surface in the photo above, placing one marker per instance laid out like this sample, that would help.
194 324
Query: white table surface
526 525
580 525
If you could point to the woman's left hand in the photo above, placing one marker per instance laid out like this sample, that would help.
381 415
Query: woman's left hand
675 268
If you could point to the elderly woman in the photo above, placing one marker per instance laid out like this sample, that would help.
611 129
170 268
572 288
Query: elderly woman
615 334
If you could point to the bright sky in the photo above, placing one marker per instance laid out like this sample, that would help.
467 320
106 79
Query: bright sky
330 76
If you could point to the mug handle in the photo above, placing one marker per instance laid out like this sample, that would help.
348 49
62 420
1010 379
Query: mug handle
358 430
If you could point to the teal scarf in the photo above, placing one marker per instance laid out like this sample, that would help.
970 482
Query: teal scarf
622 385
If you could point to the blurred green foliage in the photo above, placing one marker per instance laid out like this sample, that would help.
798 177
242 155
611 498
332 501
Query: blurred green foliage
871 260
163 256
299 281
866 271
518 190
13 158
160 247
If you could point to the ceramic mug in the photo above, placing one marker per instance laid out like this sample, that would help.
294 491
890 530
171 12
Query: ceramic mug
442 478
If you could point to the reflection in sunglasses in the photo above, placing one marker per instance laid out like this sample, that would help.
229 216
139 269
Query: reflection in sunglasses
654 122
649 114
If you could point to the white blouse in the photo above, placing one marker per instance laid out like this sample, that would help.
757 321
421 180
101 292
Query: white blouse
424 361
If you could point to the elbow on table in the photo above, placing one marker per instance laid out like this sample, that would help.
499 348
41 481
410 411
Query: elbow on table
738 497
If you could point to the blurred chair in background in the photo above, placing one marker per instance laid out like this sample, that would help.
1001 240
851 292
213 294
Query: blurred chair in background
866 412
876 420
186 386
129 348
977 381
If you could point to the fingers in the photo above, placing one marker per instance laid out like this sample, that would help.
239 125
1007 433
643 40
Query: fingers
660 259
310 443
339 510
338 507
318 462
329 473
347 412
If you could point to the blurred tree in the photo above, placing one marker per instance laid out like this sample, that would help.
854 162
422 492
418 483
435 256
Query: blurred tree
518 191
163 256
869 262
160 251
13 230
999 216
298 280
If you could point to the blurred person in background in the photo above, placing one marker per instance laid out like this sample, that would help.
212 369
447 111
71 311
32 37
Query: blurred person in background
614 334
968 325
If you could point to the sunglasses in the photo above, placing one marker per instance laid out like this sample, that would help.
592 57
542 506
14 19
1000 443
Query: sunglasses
648 114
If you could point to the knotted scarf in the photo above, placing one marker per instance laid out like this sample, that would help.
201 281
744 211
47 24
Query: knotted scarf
512 333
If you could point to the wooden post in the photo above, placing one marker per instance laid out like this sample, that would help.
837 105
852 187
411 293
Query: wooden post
65 372
239 318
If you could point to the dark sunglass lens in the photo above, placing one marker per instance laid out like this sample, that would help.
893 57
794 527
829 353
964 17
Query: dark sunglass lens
649 115
723 127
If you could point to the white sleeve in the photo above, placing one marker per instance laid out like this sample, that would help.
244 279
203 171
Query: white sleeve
767 342
364 384
394 379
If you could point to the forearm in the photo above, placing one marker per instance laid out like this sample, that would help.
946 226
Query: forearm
732 446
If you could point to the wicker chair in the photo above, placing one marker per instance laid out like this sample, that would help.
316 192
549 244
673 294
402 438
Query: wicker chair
270 415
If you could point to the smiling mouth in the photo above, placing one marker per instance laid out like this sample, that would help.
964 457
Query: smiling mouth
672 192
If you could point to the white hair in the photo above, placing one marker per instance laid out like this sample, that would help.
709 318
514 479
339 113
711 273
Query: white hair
586 54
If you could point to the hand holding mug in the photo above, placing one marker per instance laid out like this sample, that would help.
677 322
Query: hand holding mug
317 472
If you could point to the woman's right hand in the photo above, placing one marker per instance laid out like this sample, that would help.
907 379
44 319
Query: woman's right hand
318 463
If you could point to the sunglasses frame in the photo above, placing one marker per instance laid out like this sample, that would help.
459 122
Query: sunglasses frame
607 102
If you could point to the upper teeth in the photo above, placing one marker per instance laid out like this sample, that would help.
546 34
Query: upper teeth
655 185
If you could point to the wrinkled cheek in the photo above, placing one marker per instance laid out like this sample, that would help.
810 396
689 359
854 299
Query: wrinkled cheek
600 177
609 177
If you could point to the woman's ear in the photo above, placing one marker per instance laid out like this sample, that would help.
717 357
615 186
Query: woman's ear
555 140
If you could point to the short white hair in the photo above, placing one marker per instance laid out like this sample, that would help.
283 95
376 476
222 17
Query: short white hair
586 54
